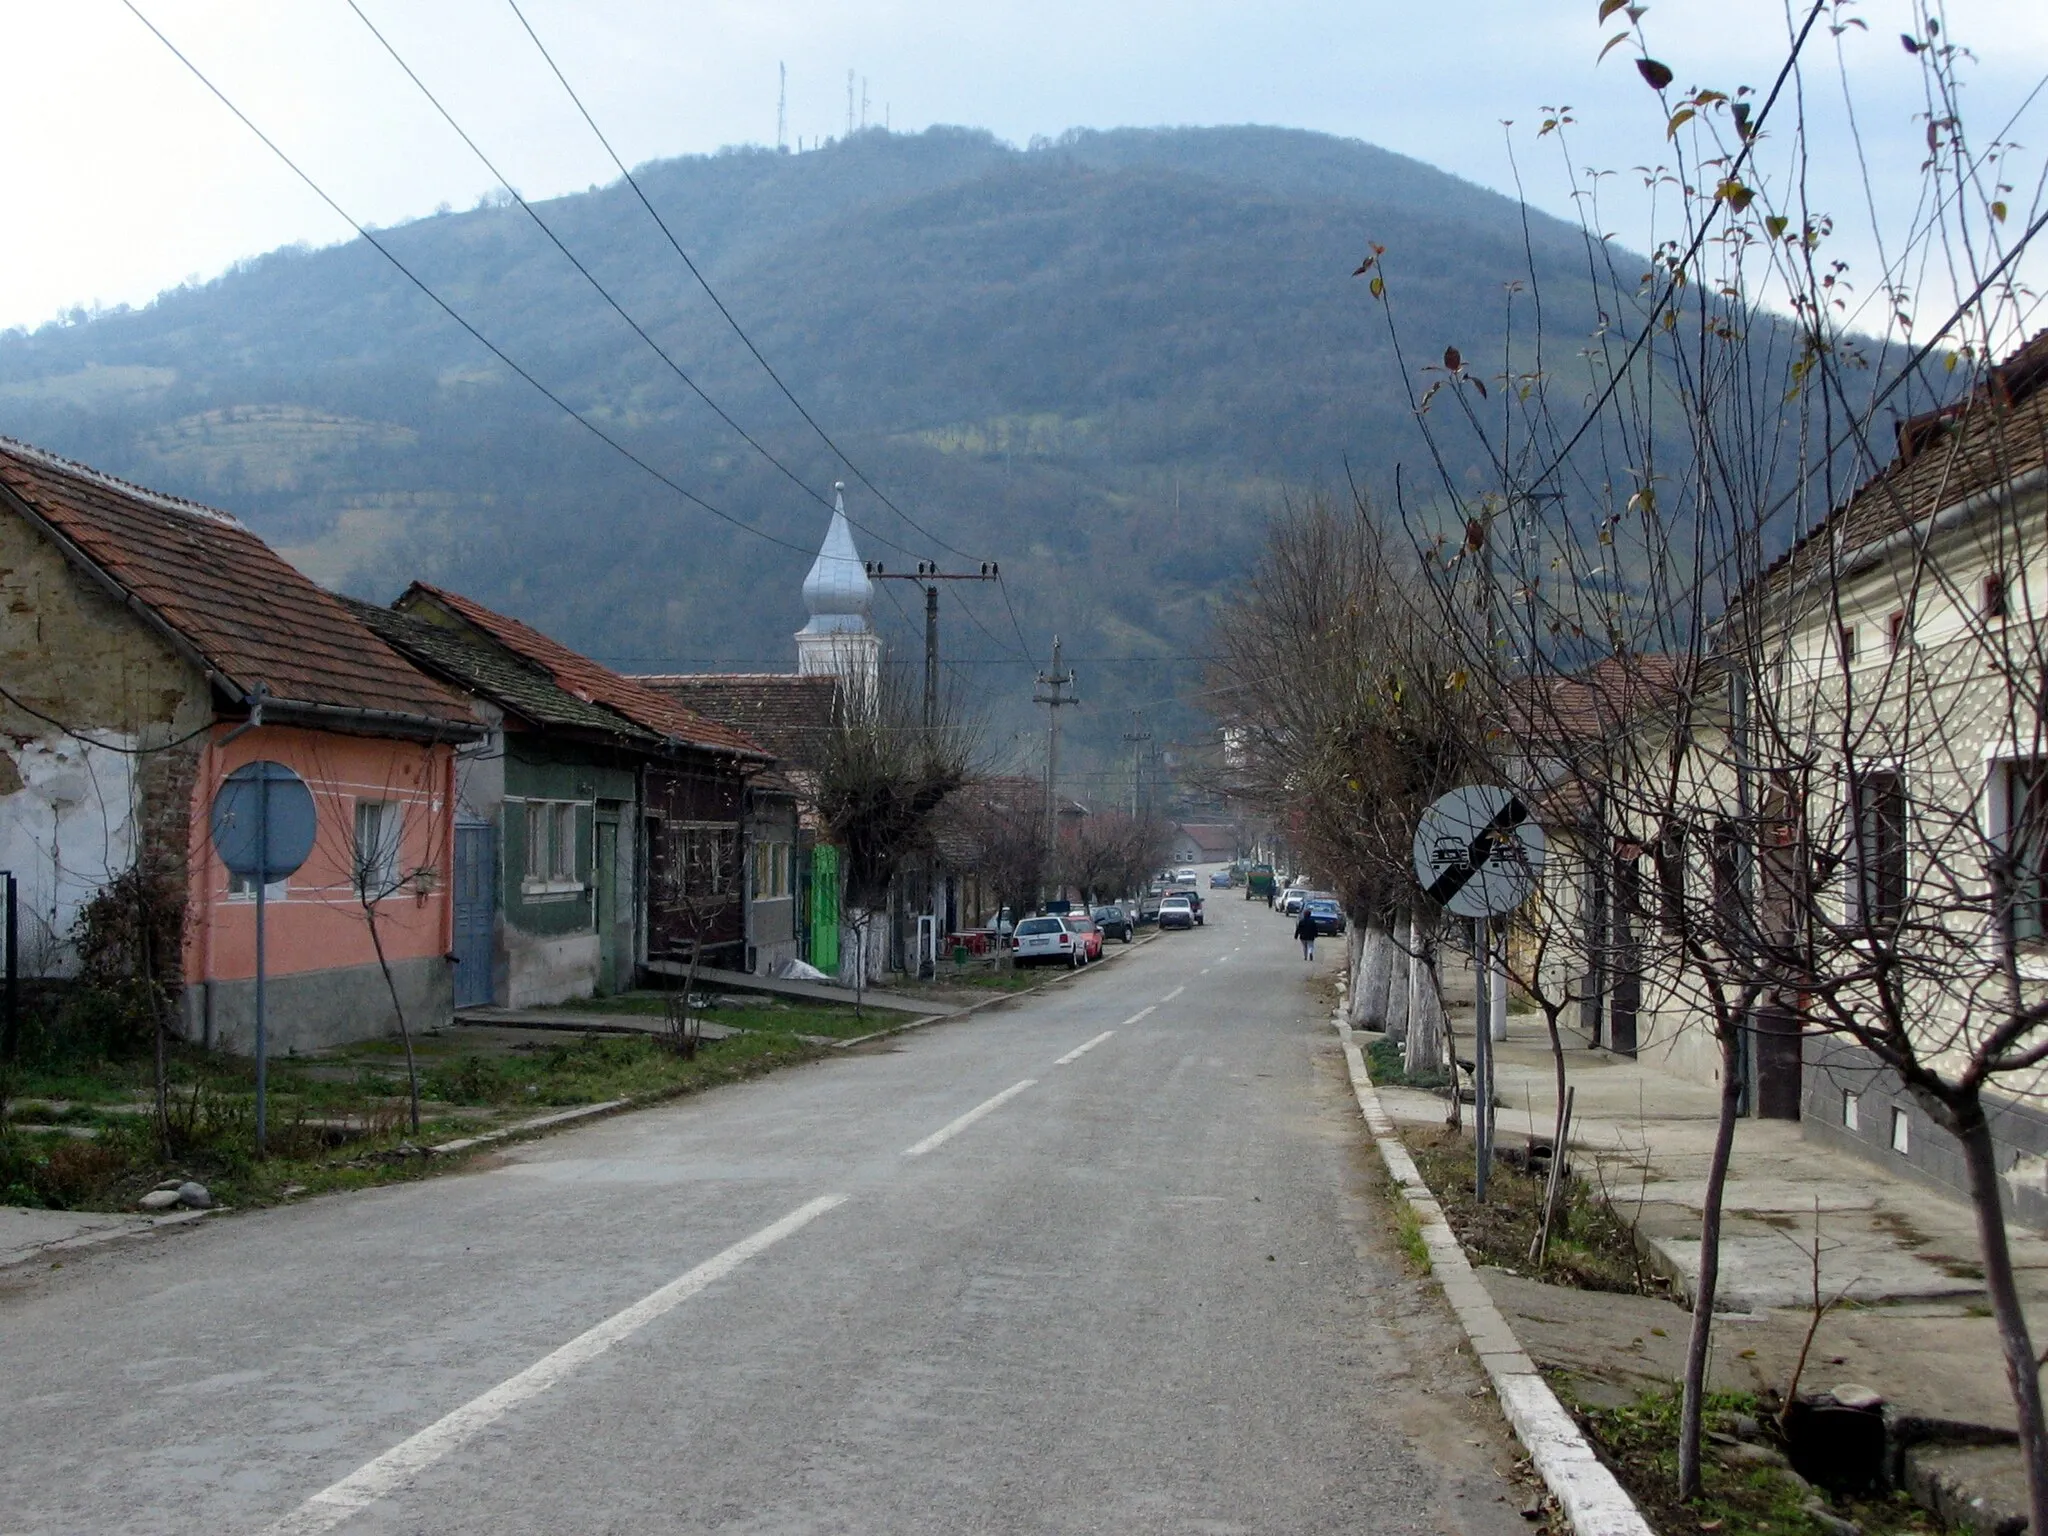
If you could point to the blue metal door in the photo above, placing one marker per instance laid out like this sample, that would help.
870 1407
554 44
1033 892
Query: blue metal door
476 910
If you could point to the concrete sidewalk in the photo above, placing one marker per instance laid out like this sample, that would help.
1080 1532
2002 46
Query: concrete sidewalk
1921 1333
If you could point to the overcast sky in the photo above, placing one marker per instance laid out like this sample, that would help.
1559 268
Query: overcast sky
121 176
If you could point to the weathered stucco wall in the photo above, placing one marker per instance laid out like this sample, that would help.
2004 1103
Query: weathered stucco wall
74 813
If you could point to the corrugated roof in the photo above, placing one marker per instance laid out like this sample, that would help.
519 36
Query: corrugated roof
787 713
586 680
246 612
471 662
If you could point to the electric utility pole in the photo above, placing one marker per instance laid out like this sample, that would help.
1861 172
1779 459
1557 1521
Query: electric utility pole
1137 739
928 575
1052 694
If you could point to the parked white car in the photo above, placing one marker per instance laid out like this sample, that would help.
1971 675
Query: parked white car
1042 939
1176 912
1291 900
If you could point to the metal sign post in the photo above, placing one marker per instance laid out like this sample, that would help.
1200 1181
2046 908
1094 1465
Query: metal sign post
263 824
10 1028
1477 855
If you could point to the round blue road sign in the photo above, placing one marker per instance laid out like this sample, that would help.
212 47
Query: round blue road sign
240 817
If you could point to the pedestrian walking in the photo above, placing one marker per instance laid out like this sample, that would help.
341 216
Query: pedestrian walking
1305 930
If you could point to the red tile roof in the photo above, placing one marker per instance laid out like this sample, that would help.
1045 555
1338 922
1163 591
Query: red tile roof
789 714
1990 437
246 613
586 680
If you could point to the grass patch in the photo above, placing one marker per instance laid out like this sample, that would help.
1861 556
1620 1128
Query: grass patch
1639 1442
1590 1246
1408 1233
1383 1059
335 1121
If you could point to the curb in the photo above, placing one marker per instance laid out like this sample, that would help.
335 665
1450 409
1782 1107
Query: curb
539 1123
1594 1503
106 1235
978 1004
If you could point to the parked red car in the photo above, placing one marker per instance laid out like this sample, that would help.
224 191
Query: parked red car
1088 932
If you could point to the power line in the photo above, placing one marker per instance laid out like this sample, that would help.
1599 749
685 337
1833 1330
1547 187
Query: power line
602 291
738 330
444 306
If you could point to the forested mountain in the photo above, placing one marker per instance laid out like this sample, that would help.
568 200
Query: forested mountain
1099 361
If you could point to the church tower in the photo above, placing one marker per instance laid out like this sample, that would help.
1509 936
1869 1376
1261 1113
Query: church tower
839 641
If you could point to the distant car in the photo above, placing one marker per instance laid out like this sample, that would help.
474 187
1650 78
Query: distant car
1041 939
1328 914
1193 897
1185 874
1148 905
1291 900
1220 881
1118 922
1174 912
1088 931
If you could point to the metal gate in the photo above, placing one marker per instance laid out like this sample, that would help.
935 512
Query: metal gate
825 908
476 911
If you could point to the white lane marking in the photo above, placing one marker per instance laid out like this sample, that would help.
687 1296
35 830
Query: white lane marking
946 1133
1203 971
1176 992
1127 1023
406 1460
1082 1050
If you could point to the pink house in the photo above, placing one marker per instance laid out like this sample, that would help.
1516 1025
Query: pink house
139 634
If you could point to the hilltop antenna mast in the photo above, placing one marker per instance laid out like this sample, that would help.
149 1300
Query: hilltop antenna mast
849 103
863 103
782 111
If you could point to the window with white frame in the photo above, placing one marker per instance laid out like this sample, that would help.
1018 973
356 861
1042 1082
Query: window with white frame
374 860
2025 884
551 842
1877 847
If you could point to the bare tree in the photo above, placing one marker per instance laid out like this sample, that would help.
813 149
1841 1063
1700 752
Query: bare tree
883 770
1772 741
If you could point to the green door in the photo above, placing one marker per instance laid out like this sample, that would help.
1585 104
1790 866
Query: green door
605 886
825 908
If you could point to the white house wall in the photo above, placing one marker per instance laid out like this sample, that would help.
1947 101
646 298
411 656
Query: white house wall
69 829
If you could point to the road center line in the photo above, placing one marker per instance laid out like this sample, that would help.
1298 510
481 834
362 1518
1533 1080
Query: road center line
1203 971
1176 992
406 1460
1127 1023
1082 1050
946 1133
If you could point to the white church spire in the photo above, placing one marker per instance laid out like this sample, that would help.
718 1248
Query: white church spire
839 640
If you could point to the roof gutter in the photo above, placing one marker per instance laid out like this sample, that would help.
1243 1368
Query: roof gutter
378 722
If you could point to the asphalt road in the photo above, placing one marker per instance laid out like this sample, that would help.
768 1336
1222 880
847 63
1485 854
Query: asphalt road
966 1280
